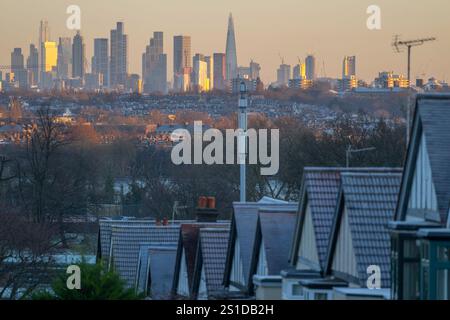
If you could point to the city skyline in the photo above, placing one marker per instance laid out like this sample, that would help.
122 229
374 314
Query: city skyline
429 60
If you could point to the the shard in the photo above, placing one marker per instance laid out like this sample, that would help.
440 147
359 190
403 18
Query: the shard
231 55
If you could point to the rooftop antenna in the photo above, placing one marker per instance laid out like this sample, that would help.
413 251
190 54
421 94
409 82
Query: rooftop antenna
350 151
398 46
409 44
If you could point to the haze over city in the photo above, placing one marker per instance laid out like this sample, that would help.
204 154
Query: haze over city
328 29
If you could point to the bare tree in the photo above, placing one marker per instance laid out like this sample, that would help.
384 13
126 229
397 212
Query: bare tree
25 254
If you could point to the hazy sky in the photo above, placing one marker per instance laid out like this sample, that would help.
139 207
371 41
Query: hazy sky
264 29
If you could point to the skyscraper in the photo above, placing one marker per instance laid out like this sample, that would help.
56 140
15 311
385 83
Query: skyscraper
349 66
349 80
283 74
181 62
44 36
255 68
219 71
33 66
200 81
64 57
154 65
18 67
210 71
230 52
119 57
310 63
78 56
49 56
300 71
49 59
100 60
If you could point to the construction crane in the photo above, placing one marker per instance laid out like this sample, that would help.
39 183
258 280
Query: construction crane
398 44
282 58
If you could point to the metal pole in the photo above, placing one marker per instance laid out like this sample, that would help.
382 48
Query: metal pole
242 143
347 156
409 64
408 107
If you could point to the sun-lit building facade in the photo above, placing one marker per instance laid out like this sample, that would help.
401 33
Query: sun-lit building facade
50 56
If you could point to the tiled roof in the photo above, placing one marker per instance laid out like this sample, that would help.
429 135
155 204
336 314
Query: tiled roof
189 235
126 241
320 188
435 119
105 234
245 217
370 200
277 230
214 244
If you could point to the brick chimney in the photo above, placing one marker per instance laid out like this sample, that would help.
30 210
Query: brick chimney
206 209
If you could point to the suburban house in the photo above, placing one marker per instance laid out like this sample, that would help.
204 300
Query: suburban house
186 257
238 275
420 232
104 235
360 243
154 278
210 264
274 233
133 247
319 195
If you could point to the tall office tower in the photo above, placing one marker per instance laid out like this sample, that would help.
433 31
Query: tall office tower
283 74
220 73
210 71
33 66
118 67
50 60
231 54
154 65
349 67
44 36
255 68
349 81
64 57
18 68
310 63
300 71
100 61
181 61
244 73
200 81
78 56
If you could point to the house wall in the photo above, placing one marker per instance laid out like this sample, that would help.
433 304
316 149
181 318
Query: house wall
202 291
342 296
262 269
268 292
308 257
183 284
423 194
291 290
344 260
237 270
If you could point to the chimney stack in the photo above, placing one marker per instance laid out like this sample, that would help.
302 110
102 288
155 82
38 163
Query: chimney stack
206 210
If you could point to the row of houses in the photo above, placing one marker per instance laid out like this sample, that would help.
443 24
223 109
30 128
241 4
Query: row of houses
356 233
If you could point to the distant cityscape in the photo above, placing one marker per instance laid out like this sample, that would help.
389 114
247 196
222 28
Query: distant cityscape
62 65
